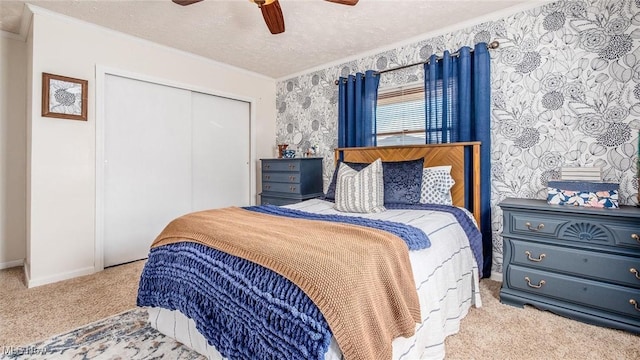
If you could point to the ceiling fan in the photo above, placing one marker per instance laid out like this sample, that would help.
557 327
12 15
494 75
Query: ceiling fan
271 11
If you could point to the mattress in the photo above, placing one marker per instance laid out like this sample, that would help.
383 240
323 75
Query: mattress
445 274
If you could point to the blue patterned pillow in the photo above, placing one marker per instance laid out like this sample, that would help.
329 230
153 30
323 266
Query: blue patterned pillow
436 185
402 181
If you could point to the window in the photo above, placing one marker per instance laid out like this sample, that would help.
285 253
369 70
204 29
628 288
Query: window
400 118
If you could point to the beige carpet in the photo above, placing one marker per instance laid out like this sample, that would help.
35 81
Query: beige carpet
494 331
28 315
497 331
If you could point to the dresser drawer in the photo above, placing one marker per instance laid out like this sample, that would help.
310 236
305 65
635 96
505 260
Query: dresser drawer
533 225
626 235
280 165
279 201
563 227
574 290
284 177
624 270
290 188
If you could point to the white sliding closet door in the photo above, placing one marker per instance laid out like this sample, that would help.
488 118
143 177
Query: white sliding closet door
167 152
220 152
147 181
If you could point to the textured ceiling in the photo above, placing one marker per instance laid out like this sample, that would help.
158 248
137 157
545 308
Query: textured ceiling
233 32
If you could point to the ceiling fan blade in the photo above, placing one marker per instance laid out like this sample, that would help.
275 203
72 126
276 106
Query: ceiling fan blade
185 2
344 2
272 14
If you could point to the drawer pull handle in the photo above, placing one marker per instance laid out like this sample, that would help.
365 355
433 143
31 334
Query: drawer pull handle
267 177
292 188
634 303
635 273
292 166
267 166
528 253
292 178
537 228
267 187
635 237
542 282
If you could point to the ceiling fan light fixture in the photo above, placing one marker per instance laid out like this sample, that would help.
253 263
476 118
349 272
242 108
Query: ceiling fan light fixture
260 3
185 2
345 2
272 14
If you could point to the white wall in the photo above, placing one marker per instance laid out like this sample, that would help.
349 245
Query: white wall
13 81
62 178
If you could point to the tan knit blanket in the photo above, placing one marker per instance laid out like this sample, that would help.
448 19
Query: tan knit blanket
360 278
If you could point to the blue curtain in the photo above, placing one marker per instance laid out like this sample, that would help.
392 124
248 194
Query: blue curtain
457 108
357 97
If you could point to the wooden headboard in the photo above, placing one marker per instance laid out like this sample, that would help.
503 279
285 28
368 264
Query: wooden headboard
433 155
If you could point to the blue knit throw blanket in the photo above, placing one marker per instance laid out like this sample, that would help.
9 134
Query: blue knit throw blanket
244 310
415 238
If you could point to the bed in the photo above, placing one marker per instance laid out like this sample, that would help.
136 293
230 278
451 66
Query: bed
445 274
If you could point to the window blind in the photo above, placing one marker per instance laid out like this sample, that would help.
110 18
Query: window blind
400 117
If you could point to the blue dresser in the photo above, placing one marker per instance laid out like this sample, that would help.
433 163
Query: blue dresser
288 181
582 263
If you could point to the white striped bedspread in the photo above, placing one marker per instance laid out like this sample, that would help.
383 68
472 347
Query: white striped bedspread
446 277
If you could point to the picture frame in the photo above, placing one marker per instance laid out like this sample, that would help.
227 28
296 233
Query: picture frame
64 97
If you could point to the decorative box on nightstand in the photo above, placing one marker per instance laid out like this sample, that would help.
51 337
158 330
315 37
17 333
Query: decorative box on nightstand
582 263
288 181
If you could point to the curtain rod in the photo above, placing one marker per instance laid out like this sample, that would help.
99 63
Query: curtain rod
492 45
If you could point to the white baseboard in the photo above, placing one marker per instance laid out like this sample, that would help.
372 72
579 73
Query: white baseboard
10 264
58 277
496 277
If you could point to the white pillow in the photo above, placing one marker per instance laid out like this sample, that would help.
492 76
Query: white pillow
360 191
436 185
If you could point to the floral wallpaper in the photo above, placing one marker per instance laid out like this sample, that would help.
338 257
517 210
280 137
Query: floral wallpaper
565 92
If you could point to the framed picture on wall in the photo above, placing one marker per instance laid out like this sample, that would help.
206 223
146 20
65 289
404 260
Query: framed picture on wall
64 97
